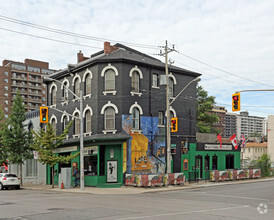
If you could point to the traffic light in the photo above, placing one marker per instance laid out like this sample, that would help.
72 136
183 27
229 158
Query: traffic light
44 114
236 104
174 124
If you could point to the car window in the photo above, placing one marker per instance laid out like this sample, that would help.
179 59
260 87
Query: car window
10 175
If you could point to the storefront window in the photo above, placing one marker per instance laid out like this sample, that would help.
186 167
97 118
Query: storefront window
229 161
90 165
206 162
214 163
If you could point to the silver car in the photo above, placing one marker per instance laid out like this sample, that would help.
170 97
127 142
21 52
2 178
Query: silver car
9 180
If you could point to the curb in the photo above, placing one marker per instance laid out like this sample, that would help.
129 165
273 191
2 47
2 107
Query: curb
139 190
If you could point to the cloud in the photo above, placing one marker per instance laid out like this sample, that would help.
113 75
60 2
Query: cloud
236 36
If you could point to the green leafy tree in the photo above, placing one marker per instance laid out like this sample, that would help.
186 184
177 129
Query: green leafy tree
205 119
264 163
45 142
16 138
3 152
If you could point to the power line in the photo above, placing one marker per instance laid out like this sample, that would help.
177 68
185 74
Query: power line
32 25
51 39
223 70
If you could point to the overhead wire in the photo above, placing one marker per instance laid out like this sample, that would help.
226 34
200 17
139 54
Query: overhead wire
32 25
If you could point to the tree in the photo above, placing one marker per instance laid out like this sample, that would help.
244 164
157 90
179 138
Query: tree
205 120
45 141
3 152
264 163
16 139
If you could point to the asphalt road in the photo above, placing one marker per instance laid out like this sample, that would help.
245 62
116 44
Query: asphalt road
240 201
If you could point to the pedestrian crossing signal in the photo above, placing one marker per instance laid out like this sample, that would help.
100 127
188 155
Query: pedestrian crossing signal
44 114
236 104
174 124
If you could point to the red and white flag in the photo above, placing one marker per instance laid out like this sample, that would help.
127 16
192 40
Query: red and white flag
234 141
220 139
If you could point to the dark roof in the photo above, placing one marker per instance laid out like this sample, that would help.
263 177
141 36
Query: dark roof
126 54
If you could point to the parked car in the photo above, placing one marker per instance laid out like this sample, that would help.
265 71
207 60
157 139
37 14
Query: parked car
9 180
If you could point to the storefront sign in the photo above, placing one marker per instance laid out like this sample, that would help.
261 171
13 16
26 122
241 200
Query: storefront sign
65 149
90 150
112 171
217 147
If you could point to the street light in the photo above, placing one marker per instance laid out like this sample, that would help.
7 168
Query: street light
81 129
168 104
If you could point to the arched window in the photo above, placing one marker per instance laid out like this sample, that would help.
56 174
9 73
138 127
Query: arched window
53 123
53 95
171 87
135 80
88 121
88 84
65 91
30 127
77 87
76 124
135 118
65 122
109 80
109 118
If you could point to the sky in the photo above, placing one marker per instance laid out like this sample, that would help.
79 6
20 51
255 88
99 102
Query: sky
230 42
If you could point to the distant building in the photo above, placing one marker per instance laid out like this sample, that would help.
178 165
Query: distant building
230 124
221 112
248 125
270 137
253 151
24 77
33 171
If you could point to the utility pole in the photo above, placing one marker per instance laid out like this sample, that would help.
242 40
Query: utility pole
168 139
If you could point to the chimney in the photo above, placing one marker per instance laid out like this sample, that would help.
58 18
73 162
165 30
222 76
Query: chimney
108 48
80 57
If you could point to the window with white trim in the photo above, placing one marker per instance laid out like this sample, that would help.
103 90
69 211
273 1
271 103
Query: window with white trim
154 80
88 121
160 118
135 121
171 87
53 123
53 95
110 80
135 81
109 118
88 84
65 91
65 122
76 124
77 87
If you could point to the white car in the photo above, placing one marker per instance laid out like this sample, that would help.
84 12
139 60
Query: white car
9 180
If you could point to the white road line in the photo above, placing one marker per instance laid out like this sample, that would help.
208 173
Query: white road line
179 213
236 197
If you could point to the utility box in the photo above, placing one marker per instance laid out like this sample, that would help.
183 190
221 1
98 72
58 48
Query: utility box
65 175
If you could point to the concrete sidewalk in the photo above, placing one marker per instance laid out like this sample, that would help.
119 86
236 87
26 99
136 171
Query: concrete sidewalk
140 190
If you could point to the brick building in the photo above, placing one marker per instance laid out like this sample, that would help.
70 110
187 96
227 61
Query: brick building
124 113
26 78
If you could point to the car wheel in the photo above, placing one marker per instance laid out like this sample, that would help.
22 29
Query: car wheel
17 187
1 186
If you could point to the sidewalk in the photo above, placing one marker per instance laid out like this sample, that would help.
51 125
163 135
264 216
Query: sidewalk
140 190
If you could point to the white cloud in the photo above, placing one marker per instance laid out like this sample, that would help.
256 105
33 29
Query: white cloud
236 36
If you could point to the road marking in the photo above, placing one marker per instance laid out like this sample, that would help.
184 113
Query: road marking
189 212
236 197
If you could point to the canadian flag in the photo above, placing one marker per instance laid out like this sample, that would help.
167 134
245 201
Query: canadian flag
234 141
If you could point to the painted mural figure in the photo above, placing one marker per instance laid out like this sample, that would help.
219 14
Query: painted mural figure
111 167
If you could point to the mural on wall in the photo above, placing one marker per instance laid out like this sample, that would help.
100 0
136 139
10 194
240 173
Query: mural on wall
146 149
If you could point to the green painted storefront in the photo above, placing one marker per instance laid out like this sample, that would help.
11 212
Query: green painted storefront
99 161
204 157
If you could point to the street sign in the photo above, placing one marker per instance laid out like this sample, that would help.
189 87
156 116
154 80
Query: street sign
35 155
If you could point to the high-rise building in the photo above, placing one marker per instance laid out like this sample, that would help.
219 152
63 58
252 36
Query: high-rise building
230 124
248 125
27 79
221 112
